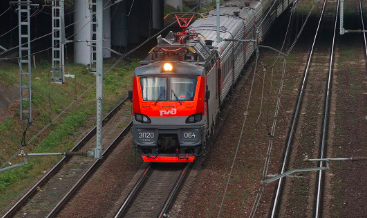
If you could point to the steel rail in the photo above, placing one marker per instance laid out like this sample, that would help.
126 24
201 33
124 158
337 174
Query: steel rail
364 33
295 116
325 124
133 192
90 172
138 186
60 164
174 192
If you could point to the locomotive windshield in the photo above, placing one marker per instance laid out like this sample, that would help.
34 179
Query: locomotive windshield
168 88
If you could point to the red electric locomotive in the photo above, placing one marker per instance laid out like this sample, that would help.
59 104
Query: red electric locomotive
180 86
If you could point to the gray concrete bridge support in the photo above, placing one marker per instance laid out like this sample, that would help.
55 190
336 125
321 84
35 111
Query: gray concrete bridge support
119 24
124 23
82 32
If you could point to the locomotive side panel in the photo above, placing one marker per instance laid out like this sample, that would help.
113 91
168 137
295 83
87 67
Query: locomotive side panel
212 103
227 73
249 34
239 54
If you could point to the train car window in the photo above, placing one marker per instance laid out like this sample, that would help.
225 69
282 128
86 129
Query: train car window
182 88
154 88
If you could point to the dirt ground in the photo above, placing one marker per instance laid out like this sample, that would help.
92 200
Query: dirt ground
8 96
203 192
205 195
345 190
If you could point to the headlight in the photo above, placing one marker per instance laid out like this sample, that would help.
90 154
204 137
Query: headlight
167 67
142 118
194 118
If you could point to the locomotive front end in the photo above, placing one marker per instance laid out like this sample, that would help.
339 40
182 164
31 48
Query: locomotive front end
168 111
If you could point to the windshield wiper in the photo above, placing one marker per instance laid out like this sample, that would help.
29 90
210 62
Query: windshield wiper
159 97
176 97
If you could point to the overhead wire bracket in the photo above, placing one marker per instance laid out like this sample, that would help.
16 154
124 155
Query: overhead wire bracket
327 160
26 155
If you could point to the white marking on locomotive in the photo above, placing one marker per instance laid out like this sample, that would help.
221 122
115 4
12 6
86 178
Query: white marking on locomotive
164 112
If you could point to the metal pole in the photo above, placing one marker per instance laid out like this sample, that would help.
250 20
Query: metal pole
12 167
58 42
93 36
341 17
218 22
25 72
99 78
63 40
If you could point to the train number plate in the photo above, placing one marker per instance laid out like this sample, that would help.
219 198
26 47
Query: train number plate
146 135
189 135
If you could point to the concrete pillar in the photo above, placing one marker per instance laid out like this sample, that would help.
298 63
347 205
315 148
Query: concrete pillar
106 29
174 3
83 30
133 27
119 24
157 14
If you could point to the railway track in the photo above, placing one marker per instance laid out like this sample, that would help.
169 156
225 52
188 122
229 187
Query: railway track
88 167
362 23
154 192
283 187
325 123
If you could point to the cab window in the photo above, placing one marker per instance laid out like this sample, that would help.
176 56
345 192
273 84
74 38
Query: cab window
183 88
154 88
168 88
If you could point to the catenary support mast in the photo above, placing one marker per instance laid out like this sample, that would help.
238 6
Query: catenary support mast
24 19
99 77
58 41
93 35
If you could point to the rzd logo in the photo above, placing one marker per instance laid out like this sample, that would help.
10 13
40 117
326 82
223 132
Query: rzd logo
163 112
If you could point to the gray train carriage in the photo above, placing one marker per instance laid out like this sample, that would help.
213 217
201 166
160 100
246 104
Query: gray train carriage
220 63
244 21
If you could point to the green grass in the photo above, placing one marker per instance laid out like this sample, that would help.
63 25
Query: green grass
347 54
47 101
7 178
8 75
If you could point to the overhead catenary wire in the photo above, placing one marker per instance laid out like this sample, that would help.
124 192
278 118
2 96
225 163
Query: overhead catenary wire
364 33
38 10
270 92
16 27
272 66
109 24
228 181
296 113
281 49
271 136
243 125
5 11
272 133
325 125
137 47
56 117
246 114
45 35
87 90
56 44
